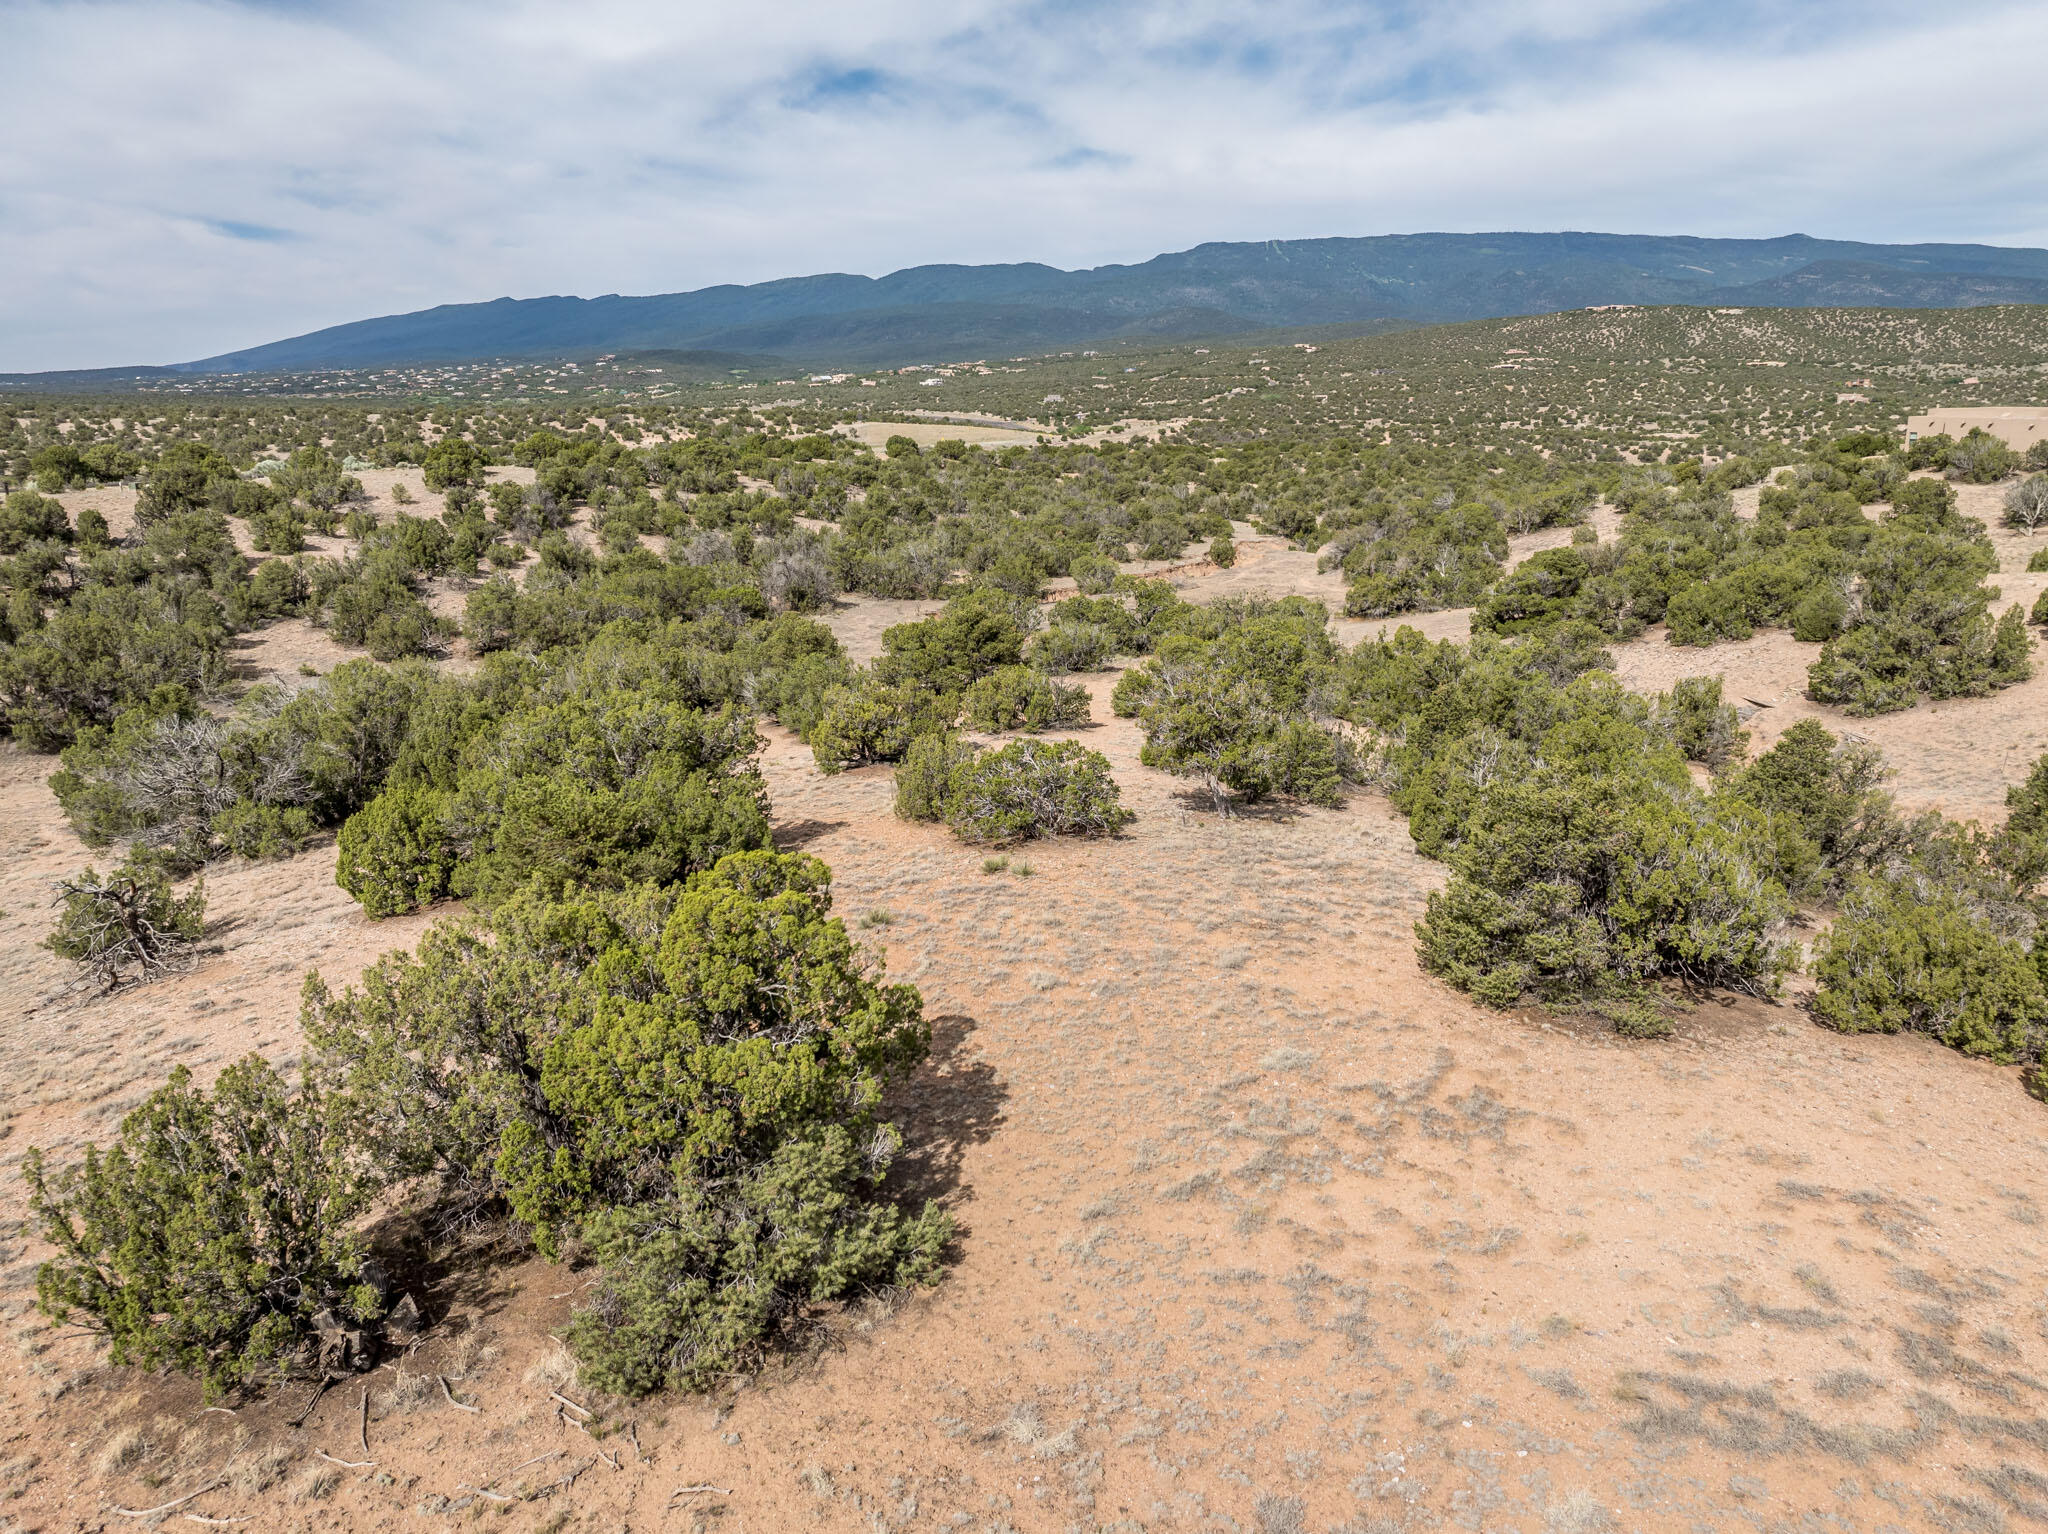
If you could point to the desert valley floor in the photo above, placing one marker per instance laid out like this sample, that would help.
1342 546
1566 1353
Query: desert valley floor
1260 1227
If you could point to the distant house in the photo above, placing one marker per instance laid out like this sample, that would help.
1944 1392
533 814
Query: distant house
2019 426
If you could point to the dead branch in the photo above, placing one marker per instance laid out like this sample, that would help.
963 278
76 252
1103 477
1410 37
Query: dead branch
485 1491
125 921
568 1478
551 1454
556 1395
151 1512
463 1405
319 1390
697 1490
346 1464
363 1423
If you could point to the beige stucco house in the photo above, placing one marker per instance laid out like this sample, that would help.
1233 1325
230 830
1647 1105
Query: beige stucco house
2021 426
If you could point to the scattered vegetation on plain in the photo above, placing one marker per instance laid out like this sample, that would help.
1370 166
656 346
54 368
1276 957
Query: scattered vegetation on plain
649 1045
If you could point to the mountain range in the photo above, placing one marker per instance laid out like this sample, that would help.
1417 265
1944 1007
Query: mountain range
929 313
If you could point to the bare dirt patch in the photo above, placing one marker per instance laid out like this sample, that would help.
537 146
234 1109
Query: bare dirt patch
876 434
1957 756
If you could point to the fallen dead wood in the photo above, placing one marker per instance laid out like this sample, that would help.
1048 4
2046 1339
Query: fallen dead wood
319 1390
699 1489
151 1512
568 1477
537 1459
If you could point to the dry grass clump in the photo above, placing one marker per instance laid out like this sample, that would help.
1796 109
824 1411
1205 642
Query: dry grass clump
874 1310
258 1473
124 1449
1577 1512
407 1394
315 1485
474 1351
1847 1385
554 1369
1279 1515
1025 1427
1287 1059
818 1482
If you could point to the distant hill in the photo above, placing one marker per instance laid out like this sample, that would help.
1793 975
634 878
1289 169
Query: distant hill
937 312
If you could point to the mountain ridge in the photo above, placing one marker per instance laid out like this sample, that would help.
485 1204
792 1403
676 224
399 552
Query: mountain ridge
1215 289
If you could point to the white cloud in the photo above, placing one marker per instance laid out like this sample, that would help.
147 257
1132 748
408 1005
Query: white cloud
185 177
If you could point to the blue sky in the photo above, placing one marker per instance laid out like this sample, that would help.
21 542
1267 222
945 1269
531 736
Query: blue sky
184 177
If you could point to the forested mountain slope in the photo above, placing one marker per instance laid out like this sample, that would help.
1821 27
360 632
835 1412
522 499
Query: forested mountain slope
1214 289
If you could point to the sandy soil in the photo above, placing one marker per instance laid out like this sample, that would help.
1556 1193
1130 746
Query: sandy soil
876 434
1261 1229
1956 756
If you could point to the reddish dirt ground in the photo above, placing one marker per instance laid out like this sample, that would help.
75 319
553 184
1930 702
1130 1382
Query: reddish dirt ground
1261 1228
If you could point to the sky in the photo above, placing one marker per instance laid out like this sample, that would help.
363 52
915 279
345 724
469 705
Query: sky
181 178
